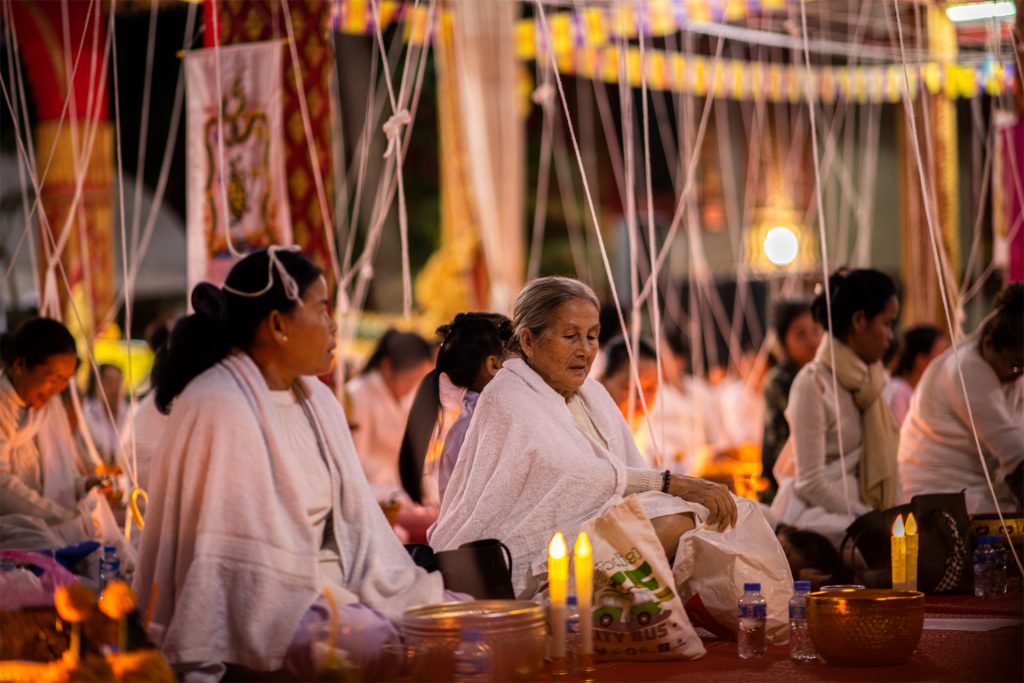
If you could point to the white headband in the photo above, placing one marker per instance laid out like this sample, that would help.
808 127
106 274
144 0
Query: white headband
291 288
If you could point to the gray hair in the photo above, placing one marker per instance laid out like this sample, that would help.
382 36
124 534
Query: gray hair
539 299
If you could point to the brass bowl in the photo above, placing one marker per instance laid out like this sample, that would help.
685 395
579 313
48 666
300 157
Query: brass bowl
515 630
871 627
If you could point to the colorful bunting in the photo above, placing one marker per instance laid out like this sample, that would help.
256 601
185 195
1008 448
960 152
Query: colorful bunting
585 45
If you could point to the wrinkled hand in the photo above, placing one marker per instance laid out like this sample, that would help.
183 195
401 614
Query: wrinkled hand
715 497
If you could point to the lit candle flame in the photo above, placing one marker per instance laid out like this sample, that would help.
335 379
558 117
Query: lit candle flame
582 549
911 527
897 526
557 549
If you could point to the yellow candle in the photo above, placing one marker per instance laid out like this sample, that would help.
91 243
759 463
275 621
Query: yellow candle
558 588
899 555
583 564
912 547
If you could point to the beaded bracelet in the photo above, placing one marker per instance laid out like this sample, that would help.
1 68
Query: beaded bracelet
666 477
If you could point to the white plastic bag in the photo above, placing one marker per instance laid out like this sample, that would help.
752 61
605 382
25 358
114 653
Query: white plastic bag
637 611
711 567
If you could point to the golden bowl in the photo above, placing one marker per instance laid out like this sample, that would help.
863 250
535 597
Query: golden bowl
872 627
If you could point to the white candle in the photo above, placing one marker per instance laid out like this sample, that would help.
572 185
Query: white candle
558 588
899 555
583 563
912 549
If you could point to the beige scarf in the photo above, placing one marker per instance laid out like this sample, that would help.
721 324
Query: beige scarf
878 474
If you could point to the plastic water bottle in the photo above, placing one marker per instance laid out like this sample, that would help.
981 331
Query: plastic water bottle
472 658
989 567
800 647
572 633
999 566
753 613
110 566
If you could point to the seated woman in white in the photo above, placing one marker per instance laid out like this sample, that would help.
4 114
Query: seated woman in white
42 472
938 452
685 414
548 448
106 411
617 379
816 493
382 397
919 346
260 517
471 353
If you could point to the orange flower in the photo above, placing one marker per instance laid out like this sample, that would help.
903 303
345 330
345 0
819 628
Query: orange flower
74 603
118 600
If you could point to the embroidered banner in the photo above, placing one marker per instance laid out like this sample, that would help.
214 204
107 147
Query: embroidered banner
236 186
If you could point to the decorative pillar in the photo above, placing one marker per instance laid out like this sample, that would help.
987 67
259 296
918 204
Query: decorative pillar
241 21
82 146
457 268
935 113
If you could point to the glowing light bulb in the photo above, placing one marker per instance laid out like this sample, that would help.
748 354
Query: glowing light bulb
781 246
980 11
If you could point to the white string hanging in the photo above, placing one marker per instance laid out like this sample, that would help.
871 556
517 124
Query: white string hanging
935 247
824 247
326 221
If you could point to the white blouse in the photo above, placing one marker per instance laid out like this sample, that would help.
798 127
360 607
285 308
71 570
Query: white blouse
816 434
937 448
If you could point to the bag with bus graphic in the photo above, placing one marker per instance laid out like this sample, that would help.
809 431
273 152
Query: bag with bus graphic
637 612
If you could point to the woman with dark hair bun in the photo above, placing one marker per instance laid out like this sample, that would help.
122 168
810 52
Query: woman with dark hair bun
938 450
471 353
41 471
260 521
382 397
920 345
815 491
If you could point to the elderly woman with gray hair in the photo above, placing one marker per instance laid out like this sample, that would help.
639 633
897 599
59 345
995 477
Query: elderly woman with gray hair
548 448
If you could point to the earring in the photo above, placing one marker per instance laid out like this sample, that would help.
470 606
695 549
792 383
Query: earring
284 337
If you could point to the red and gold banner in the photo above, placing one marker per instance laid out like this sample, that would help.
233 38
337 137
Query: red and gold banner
243 21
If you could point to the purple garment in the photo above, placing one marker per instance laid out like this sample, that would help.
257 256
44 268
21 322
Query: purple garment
453 442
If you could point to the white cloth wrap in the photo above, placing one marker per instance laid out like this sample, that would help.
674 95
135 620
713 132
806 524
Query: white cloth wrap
228 540
526 470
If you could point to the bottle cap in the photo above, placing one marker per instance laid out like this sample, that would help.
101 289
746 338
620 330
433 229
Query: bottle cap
110 549
472 634
751 587
802 586
992 539
984 540
571 600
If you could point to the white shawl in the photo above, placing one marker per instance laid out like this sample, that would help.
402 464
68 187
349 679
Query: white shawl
525 469
229 548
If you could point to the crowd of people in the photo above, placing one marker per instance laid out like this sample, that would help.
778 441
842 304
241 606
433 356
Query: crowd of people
264 489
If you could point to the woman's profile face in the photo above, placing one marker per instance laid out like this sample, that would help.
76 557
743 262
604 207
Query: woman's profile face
310 329
870 337
563 353
38 384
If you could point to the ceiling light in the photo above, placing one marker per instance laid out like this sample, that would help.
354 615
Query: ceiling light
980 11
781 246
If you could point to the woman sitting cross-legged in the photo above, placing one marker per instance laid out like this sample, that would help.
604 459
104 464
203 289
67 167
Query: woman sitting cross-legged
846 377
259 515
548 448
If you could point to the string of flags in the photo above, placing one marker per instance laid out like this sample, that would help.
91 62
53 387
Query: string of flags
584 45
